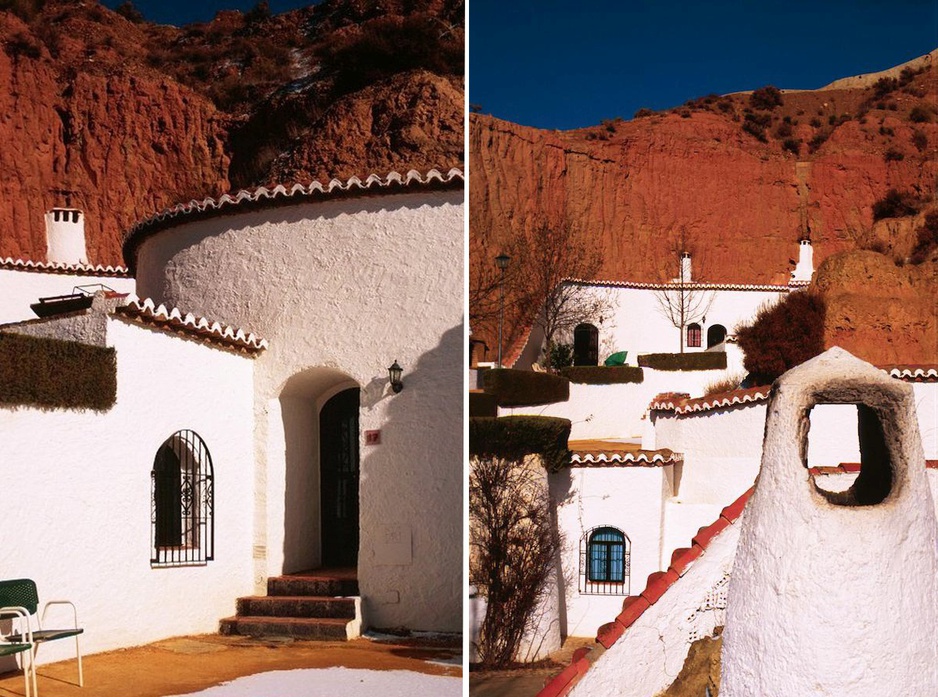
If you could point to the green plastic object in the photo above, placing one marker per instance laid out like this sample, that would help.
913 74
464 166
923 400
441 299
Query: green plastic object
618 358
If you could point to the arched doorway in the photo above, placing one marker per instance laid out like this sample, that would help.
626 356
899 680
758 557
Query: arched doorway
339 476
716 334
318 409
585 345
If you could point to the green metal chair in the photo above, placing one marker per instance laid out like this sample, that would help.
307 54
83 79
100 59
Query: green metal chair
22 593
21 646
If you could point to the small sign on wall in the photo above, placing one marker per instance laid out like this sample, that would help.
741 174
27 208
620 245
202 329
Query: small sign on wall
373 437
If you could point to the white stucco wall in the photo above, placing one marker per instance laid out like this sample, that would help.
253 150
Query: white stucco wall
77 496
925 395
721 450
19 289
648 657
341 289
630 499
638 325
618 410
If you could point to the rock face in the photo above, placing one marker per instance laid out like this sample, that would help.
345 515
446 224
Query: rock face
116 145
122 118
738 183
882 312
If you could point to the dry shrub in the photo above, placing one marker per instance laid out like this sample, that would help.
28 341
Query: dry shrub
392 45
783 336
727 383
767 97
926 239
513 551
896 204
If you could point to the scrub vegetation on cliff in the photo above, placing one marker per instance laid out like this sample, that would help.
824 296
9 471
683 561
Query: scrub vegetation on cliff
122 117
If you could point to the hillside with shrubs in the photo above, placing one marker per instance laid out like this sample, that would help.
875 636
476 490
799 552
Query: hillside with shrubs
121 117
738 180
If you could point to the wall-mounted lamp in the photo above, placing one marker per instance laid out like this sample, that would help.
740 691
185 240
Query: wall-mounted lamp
395 372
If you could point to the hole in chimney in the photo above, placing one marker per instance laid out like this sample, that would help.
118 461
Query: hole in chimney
874 481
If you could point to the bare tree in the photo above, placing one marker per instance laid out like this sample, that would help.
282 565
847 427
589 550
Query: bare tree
513 550
485 282
551 265
683 302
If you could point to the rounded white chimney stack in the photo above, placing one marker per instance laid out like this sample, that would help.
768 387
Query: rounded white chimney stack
685 267
805 268
65 236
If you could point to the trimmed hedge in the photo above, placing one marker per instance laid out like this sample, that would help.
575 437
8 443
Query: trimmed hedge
708 360
482 404
525 388
514 437
48 373
603 375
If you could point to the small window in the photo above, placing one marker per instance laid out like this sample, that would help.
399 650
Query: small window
182 502
604 562
693 335
585 345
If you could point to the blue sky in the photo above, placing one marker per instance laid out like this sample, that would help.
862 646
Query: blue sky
180 12
564 65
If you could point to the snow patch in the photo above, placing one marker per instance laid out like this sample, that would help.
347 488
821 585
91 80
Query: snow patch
329 682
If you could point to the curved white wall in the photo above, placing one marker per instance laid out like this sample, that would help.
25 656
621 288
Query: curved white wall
350 285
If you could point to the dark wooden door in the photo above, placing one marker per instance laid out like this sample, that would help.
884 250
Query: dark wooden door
338 461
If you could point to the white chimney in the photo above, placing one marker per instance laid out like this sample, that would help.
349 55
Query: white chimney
805 268
685 267
65 236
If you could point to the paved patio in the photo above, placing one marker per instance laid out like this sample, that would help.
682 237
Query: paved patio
188 664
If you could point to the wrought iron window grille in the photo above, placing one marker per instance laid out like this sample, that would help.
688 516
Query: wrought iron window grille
605 562
182 530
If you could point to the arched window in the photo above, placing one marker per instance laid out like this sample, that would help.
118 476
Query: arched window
693 335
182 502
604 562
716 335
585 345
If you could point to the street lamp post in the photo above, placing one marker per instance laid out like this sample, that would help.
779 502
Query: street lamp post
501 261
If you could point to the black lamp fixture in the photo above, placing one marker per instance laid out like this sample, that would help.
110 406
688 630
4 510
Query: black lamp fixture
501 261
394 373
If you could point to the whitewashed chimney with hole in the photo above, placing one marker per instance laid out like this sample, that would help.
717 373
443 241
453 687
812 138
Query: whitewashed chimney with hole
804 270
835 593
65 236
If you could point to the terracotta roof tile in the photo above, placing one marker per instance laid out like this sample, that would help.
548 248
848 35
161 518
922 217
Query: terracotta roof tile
173 320
658 583
682 558
624 458
64 269
706 534
632 609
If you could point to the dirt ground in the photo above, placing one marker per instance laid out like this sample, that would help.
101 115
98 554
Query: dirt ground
527 681
188 664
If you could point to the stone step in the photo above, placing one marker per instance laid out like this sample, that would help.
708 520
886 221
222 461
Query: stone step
296 606
328 629
311 585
